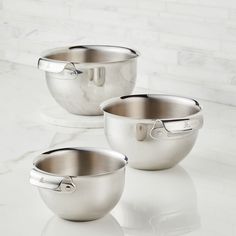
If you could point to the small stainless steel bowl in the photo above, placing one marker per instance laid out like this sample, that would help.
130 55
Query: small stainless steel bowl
154 131
80 184
81 77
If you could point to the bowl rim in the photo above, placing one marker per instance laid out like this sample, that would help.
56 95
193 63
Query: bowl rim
104 104
116 154
45 53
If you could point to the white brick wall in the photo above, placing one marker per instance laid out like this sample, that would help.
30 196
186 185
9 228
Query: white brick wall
188 47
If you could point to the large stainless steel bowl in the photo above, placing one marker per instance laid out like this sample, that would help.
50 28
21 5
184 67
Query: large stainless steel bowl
80 184
81 77
154 131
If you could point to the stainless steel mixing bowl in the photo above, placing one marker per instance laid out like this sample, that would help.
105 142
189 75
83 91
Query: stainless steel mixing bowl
81 77
154 131
80 184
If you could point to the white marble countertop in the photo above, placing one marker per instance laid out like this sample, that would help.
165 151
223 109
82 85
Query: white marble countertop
198 197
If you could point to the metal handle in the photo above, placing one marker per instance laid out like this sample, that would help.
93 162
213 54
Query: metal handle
183 125
58 67
95 74
55 183
168 128
175 127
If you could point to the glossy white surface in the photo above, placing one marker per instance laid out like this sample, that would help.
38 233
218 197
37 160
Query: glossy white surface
56 115
196 198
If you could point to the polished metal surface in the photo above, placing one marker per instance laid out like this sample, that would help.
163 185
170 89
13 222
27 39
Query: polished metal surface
81 77
154 131
80 184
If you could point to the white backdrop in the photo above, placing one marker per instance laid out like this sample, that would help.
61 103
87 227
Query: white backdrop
187 47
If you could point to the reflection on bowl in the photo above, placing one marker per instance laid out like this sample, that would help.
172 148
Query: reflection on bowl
158 203
105 226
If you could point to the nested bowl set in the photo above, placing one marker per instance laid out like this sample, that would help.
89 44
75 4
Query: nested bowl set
147 131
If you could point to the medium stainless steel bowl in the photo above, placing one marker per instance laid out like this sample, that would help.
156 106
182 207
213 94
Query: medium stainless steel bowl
80 184
81 77
154 131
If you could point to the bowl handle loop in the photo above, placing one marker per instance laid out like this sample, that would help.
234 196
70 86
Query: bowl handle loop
69 70
175 127
58 67
55 183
